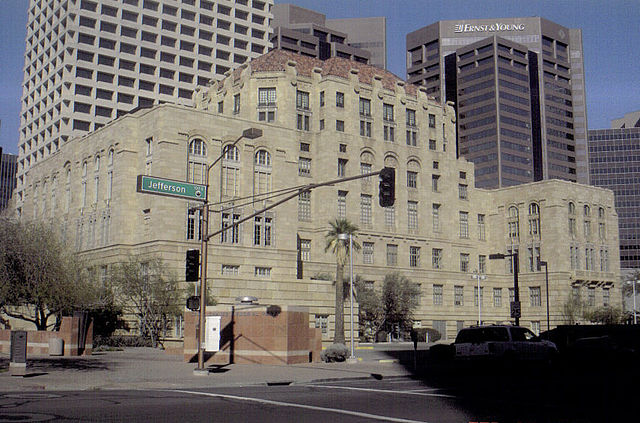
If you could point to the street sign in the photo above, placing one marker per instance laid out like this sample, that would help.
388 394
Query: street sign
515 309
160 186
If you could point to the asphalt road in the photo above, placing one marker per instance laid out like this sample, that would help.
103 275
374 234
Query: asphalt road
403 400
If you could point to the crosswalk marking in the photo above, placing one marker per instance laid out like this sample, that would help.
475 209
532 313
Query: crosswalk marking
388 391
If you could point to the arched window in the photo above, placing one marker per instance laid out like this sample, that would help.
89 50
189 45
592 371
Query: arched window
97 163
587 222
110 157
230 171
513 224
602 233
83 194
67 188
197 162
197 147
534 220
262 172
96 180
600 213
572 220
231 152
263 158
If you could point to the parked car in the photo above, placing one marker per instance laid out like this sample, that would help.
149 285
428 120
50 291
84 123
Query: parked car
502 342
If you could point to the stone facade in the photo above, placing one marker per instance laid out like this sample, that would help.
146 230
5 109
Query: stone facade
312 113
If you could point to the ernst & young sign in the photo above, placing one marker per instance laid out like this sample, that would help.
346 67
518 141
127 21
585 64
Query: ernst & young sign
161 186
495 27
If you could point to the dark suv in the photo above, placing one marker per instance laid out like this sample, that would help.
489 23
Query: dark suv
502 342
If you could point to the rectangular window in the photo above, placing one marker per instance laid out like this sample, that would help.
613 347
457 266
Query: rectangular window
342 166
463 192
304 206
464 262
536 298
435 215
412 179
387 112
591 296
412 215
482 264
322 323
414 256
262 231
365 128
367 252
230 269
464 224
432 120
481 228
365 209
606 297
437 294
321 98
266 97
194 225
236 104
392 254
262 272
432 145
411 118
342 204
458 295
390 217
305 249
303 122
304 166
340 125
497 297
302 100
436 258
339 99
434 182
365 107
231 235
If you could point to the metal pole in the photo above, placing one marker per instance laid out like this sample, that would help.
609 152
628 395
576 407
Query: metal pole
353 356
203 274
516 293
546 278
635 321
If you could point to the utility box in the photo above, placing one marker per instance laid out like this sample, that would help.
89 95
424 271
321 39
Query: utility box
18 355
212 333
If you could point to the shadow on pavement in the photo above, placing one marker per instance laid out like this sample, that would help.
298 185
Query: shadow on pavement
42 365
578 387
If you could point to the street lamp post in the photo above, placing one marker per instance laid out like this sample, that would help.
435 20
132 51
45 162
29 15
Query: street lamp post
250 133
515 305
546 278
344 237
477 275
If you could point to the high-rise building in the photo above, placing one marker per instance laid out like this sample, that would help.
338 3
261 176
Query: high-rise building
518 88
89 61
7 177
309 33
614 163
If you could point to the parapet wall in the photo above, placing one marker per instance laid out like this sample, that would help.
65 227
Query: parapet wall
38 340
257 334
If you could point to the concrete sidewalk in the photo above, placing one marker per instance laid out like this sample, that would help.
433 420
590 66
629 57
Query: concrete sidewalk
148 368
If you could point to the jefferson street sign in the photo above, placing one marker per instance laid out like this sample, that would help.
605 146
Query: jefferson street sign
171 188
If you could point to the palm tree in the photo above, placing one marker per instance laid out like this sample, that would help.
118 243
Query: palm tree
340 248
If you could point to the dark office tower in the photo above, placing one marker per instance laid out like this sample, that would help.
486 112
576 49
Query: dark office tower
518 87
614 163
309 33
8 167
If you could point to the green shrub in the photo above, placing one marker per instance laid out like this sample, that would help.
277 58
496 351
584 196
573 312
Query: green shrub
120 341
335 353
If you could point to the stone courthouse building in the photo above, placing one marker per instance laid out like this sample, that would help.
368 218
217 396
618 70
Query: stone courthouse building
323 120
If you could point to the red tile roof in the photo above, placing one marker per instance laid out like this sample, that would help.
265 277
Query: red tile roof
276 60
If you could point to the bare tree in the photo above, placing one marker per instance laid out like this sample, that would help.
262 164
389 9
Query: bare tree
39 277
147 288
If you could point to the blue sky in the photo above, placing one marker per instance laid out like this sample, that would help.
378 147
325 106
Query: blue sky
610 30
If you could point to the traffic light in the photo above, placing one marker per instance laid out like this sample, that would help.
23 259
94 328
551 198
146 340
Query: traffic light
193 265
387 189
